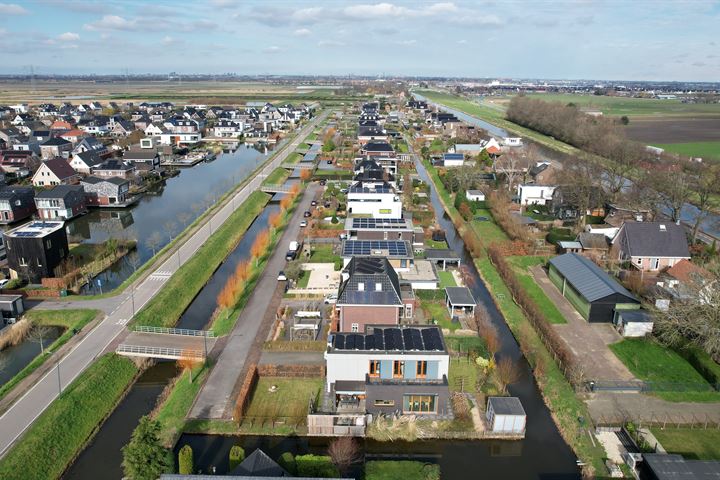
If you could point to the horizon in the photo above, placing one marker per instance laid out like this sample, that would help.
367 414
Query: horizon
642 41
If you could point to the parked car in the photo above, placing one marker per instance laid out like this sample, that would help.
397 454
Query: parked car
332 298
282 277
344 236
303 224
4 282
313 203
307 214
290 255
323 182
329 162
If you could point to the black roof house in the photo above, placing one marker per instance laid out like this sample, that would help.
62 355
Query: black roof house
391 338
590 289
257 465
653 239
378 147
658 466
360 278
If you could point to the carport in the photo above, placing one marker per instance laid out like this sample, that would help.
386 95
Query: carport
444 255
459 301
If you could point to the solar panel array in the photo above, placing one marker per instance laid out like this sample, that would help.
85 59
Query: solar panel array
42 225
27 234
425 339
366 247
382 223
370 190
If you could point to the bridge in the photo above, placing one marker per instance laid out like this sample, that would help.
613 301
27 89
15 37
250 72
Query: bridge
301 165
167 343
276 188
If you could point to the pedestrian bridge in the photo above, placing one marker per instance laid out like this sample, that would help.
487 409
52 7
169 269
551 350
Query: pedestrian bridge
276 188
301 165
167 343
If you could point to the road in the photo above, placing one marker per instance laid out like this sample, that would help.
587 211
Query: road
215 397
124 306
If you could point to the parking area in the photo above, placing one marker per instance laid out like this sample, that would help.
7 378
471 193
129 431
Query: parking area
587 341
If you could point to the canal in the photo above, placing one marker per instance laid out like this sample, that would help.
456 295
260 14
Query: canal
164 212
15 358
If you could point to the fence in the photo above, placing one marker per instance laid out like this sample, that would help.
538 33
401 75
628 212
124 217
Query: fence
660 420
246 392
175 331
641 386
159 352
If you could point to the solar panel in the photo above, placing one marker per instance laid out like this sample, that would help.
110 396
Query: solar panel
389 340
407 340
339 341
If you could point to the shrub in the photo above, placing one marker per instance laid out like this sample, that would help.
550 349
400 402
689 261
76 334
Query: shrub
315 466
334 220
185 460
237 455
287 461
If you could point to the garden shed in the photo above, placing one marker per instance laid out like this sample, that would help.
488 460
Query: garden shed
506 415
633 323
593 293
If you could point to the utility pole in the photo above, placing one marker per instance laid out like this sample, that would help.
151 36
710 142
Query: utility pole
58 377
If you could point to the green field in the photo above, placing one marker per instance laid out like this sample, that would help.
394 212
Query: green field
521 265
693 149
277 177
694 443
652 362
403 469
488 231
629 106
446 279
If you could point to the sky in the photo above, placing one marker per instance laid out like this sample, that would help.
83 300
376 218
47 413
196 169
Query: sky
659 40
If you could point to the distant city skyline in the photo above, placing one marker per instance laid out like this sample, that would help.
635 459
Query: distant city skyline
573 39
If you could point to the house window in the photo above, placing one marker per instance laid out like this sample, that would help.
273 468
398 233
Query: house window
421 369
361 287
378 287
384 403
354 328
48 242
419 403
403 263
639 262
398 369
23 262
374 370
408 311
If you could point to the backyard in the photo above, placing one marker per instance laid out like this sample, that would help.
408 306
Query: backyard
654 363
324 254
521 266
696 443
486 228
446 279
284 406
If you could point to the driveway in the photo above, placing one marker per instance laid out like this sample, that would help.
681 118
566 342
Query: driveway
587 341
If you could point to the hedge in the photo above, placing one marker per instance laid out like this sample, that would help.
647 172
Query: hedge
287 461
237 455
185 460
315 466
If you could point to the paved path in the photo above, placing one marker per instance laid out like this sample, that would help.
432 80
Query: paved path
614 407
588 341
216 394
28 407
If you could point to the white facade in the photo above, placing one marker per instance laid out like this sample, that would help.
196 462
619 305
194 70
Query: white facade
375 204
354 366
512 141
475 195
179 138
505 422
534 194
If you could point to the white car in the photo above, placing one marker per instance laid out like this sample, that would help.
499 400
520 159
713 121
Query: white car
4 282
332 298
303 224
282 277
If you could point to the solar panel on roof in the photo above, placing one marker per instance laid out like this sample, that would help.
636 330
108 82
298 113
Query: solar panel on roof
339 341
416 339
389 340
407 340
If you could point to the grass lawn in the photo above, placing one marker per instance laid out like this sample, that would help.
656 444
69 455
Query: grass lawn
58 435
277 177
288 404
446 279
294 157
167 306
652 362
691 443
520 266
323 254
171 414
430 243
488 231
402 469
694 149
465 344
312 137
333 173
69 319
304 279
462 374
436 310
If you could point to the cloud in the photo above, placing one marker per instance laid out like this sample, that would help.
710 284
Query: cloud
223 3
586 20
112 22
406 43
330 43
12 9
462 42
390 10
699 64
302 32
68 37
272 49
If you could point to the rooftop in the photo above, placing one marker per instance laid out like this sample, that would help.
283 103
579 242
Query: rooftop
588 279
391 338
506 406
35 229
460 296
383 248
355 223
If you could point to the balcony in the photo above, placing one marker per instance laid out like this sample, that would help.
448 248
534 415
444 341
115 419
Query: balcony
406 381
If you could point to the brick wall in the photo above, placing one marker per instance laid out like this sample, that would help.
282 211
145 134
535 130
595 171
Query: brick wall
246 392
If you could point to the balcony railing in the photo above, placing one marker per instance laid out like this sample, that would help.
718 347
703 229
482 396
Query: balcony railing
405 381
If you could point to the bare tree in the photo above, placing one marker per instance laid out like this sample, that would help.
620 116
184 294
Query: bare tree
170 227
38 334
487 331
513 166
675 188
133 259
507 372
184 218
153 241
705 182
344 452
580 187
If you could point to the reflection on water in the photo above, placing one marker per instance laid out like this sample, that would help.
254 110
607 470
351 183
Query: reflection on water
14 359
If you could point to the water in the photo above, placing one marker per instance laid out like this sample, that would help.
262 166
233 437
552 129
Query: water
103 457
18 357
160 213
688 215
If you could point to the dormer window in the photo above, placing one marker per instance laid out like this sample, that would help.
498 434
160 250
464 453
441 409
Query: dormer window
378 287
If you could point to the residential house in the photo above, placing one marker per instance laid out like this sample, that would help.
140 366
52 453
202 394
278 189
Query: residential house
60 126
543 173
529 195
370 294
619 214
90 144
61 201
651 246
35 249
377 149
389 370
594 244
73 136
228 129
169 138
55 171
85 162
122 128
564 203
114 168
371 134
688 282
55 147
377 200
9 135
105 191
18 162
154 129
475 195
453 160
143 160
594 294
16 203
362 228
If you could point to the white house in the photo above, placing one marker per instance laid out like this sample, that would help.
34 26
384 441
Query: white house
378 201
534 194
506 415
512 141
154 129
179 138
453 160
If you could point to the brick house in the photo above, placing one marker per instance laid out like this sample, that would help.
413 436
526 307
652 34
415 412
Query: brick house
16 203
105 191
56 171
651 246
61 201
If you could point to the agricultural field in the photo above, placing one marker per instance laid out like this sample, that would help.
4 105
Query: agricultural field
694 149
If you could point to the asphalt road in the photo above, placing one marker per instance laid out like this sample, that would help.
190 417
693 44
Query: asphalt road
120 309
216 394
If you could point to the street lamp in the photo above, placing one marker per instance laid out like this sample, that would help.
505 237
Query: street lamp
58 376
